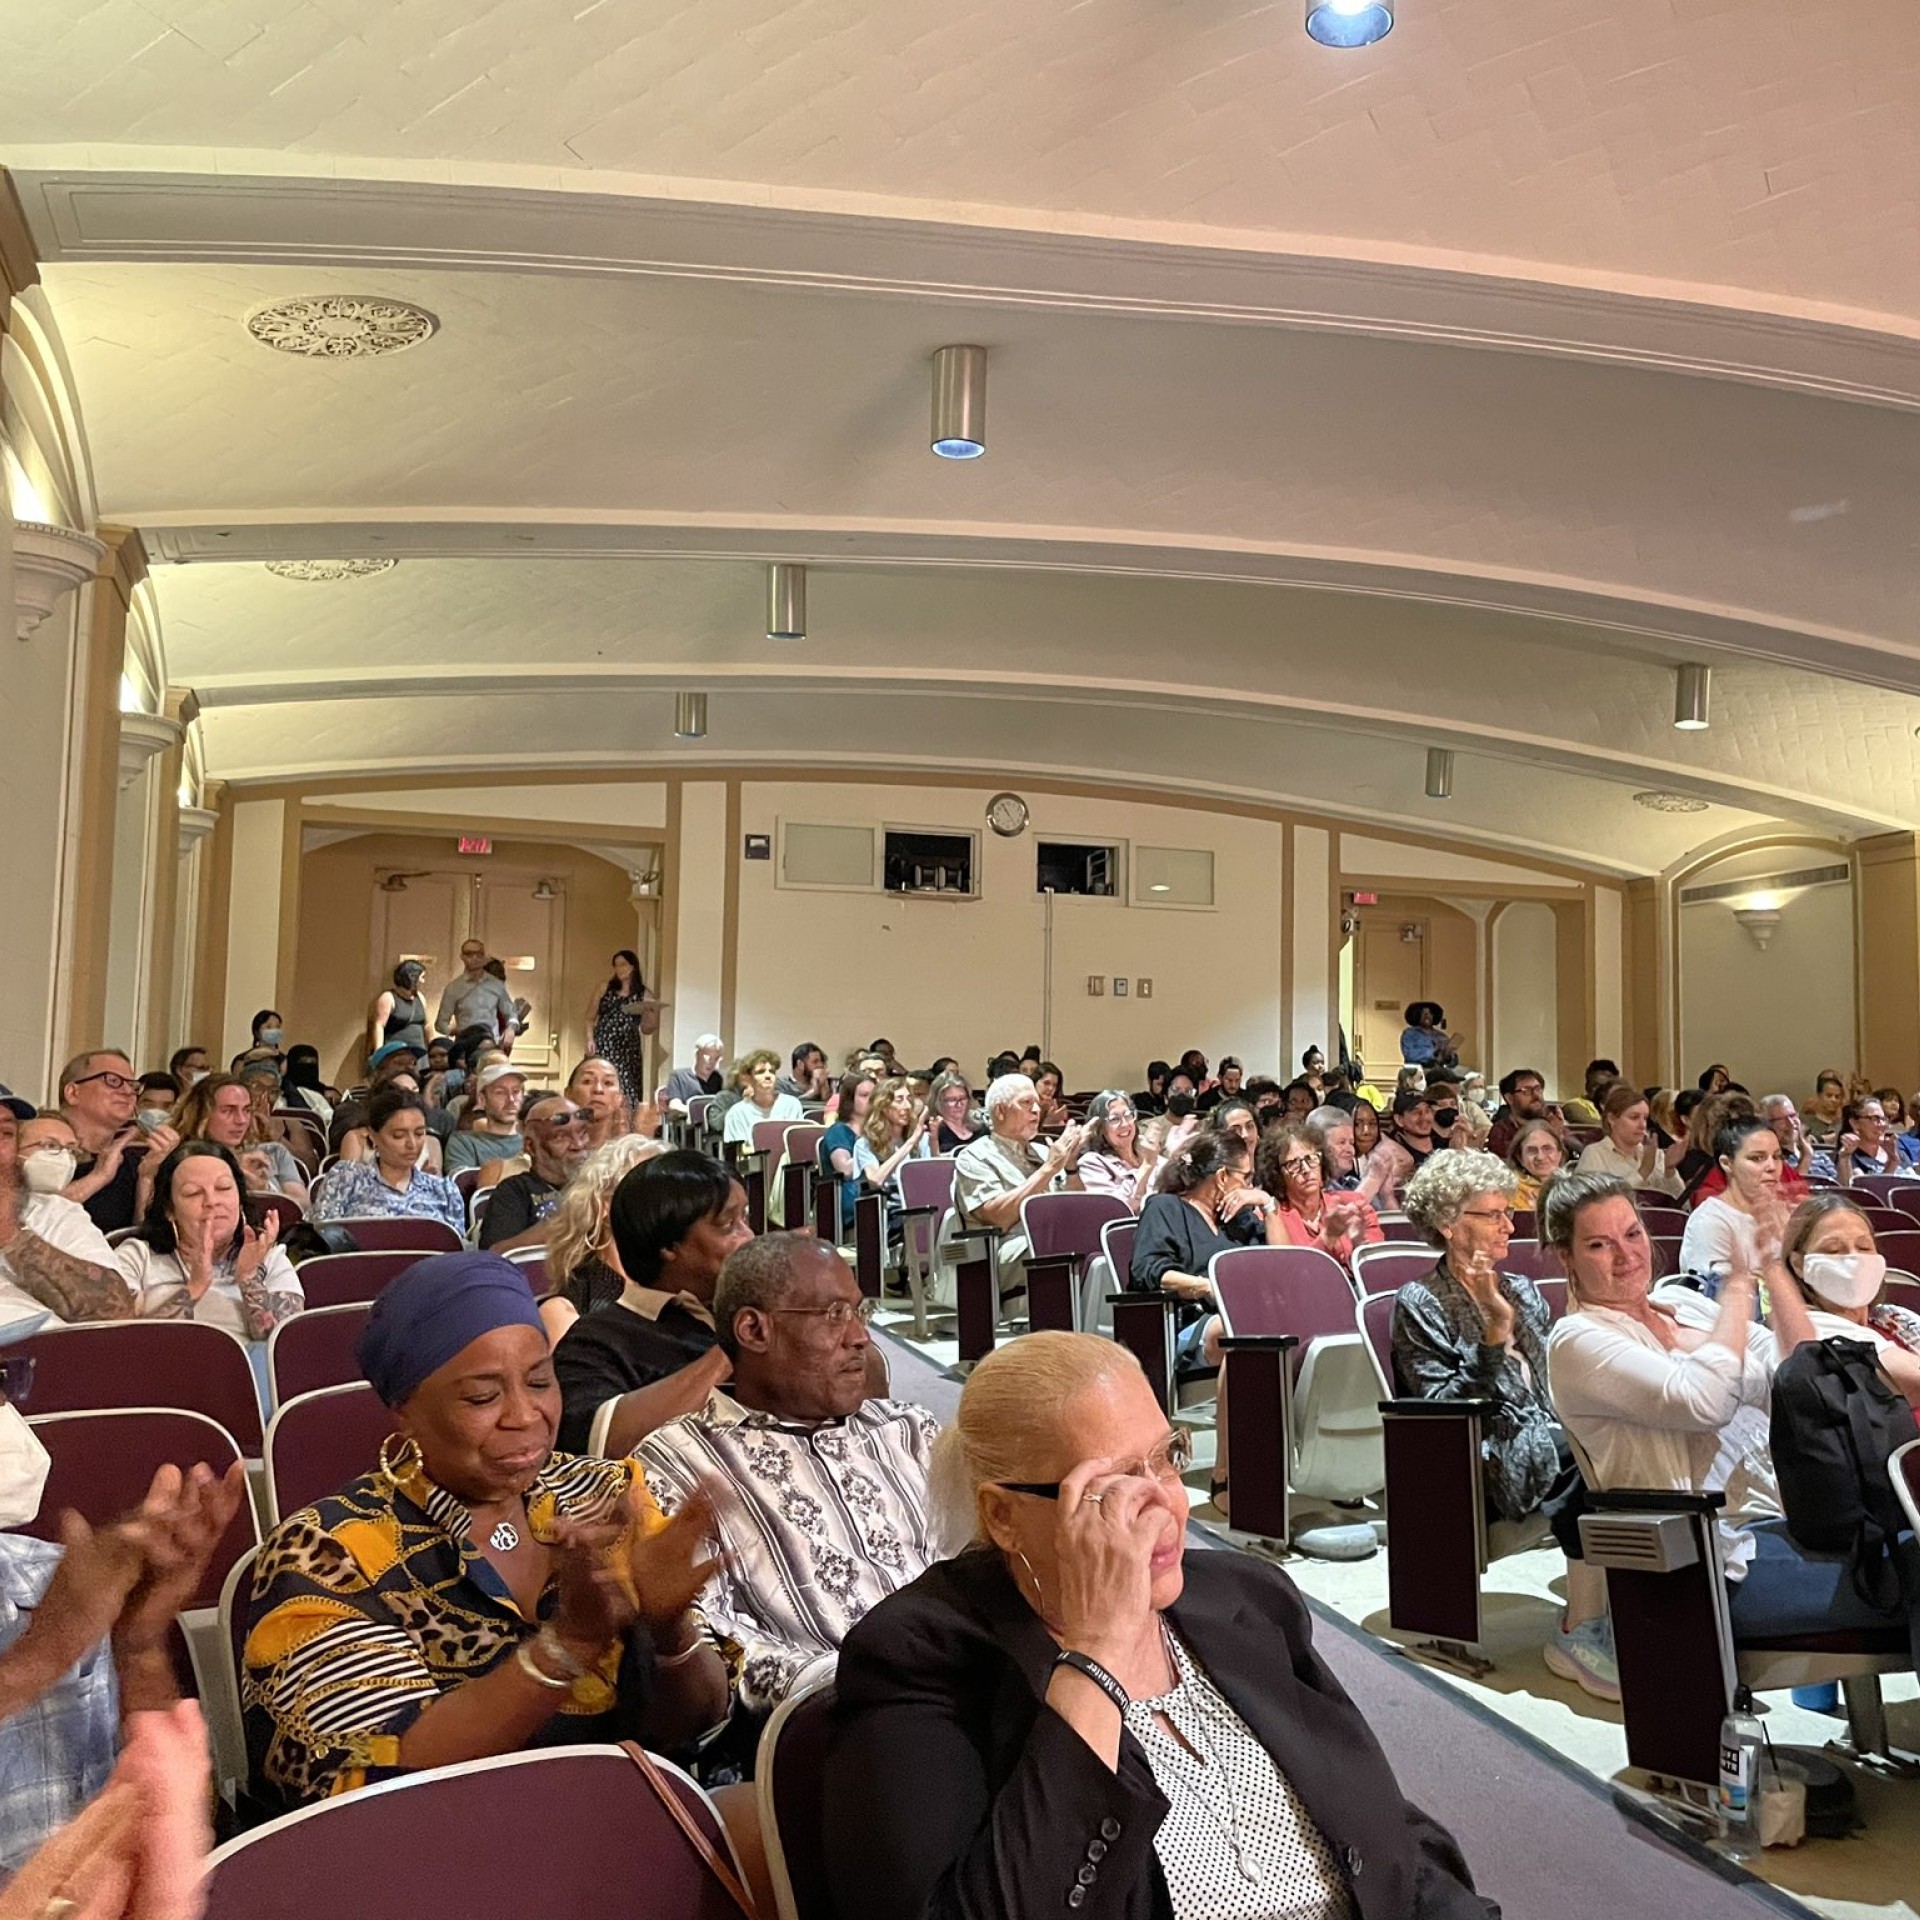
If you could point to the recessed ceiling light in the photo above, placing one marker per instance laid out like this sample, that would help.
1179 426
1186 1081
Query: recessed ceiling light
960 403
341 326
1658 801
329 569
1692 687
1349 23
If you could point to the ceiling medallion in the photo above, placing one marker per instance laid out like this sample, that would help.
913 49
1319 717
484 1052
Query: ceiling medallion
1658 802
341 326
328 569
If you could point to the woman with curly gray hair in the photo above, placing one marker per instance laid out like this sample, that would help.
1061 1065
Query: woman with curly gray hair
1470 1332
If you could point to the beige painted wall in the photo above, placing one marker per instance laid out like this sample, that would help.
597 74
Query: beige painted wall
1776 1018
336 972
966 977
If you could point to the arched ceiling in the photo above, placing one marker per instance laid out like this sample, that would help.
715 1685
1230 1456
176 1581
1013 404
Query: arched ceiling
1342 404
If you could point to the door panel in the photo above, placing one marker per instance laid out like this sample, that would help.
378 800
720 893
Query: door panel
527 935
1389 972
426 922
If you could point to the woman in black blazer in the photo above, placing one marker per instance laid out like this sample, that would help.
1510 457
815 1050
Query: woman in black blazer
1077 1717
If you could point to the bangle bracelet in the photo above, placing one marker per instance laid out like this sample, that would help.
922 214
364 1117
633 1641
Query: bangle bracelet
681 1658
1094 1671
524 1660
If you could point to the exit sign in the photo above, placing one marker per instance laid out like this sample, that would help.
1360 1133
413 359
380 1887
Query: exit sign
1366 899
475 843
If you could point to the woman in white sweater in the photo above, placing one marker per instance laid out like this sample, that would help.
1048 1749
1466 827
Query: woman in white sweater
1738 1231
1627 1151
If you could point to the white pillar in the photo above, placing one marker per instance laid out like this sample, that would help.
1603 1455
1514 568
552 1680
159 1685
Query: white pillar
1312 1012
700 888
1609 983
253 917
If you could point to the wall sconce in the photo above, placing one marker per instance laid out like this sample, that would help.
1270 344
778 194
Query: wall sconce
1439 773
1761 924
690 716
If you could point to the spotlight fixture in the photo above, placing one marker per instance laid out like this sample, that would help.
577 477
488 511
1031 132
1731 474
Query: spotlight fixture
960 403
1349 23
1691 688
786 601
1439 773
689 716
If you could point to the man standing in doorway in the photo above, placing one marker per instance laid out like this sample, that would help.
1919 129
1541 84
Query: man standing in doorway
475 998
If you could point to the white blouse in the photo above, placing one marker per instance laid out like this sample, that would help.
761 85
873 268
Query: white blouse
1604 1157
1721 1239
159 1282
1237 1842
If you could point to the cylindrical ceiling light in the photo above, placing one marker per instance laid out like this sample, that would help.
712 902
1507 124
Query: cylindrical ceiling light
1691 689
1439 773
689 716
786 601
1349 23
960 403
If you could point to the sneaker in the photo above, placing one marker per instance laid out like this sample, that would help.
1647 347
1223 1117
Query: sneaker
1585 1656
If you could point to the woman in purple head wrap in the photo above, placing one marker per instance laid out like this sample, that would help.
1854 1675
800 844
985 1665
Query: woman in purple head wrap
478 1593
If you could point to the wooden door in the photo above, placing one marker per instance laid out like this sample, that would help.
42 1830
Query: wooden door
1390 971
424 920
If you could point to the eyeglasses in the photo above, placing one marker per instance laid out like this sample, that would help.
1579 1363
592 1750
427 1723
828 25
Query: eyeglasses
1487 1213
558 1120
1300 1165
840 1315
116 1082
1168 1461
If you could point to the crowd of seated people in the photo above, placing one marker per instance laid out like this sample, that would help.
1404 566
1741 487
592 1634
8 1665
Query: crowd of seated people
710 1413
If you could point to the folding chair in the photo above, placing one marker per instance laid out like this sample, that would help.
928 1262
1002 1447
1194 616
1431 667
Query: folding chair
147 1363
926 1198
102 1463
381 1233
1145 1324
787 1772
315 1349
1532 1261
320 1441
787 1195
1885 1219
1303 1402
565 1830
1386 1266
335 1279
1063 1239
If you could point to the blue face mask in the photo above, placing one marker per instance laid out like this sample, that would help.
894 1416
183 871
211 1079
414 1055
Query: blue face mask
271 1036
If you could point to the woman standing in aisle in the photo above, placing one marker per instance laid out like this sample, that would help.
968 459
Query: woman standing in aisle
617 1016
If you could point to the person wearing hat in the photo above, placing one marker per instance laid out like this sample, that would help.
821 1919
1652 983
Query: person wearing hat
399 1012
477 1593
1413 1125
495 1131
53 1259
1425 1042
84 1621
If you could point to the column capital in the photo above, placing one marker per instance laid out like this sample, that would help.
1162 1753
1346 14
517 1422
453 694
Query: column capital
19 259
124 563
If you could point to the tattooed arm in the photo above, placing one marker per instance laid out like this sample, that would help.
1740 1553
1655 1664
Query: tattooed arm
74 1288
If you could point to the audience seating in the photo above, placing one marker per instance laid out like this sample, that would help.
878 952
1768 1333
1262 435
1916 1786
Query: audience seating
1673 1636
379 1233
1063 1238
315 1349
926 1197
1302 1406
570 1830
1664 1222
153 1363
478 1201
787 1774
282 1207
335 1279
319 1441
1883 1219
102 1463
1881 1187
467 1179
222 1679
1534 1262
799 1155
1902 1249
1396 1226
1905 1198
1387 1265
1904 1465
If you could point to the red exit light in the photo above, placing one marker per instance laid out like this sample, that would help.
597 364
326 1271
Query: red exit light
1366 899
475 843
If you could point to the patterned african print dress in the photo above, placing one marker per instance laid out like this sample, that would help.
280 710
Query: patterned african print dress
616 1039
370 1605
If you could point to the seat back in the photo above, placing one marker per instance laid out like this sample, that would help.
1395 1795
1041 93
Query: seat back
320 1441
315 1349
569 1830
1905 1198
1282 1290
1530 1259
1666 1253
1880 1186
787 1776
1903 1469
800 1142
767 1135
1665 1221
1069 1223
1386 1267
282 1207
102 1463
1116 1242
697 1112
466 1179
335 1279
1902 1250
1886 1219
1374 1317
925 1183
1396 1226
147 1363
377 1233
1553 1290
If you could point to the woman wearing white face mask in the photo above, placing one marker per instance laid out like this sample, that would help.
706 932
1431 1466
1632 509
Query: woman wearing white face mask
52 1256
1829 1248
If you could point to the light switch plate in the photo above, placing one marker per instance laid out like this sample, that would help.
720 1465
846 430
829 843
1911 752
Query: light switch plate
1120 985
1096 984
1146 988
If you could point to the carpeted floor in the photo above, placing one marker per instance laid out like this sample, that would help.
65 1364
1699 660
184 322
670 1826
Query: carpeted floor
1543 1837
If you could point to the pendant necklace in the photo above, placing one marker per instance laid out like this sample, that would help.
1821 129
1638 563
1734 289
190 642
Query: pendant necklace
1213 1772
504 1538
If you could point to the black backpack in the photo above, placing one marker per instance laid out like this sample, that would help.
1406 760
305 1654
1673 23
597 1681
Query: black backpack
1836 1422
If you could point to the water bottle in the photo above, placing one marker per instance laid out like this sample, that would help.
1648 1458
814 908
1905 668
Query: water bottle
1740 1744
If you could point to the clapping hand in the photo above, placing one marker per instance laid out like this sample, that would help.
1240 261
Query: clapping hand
592 1606
672 1563
1483 1287
255 1244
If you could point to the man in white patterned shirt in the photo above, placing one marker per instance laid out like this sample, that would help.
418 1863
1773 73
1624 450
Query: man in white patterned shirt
820 1494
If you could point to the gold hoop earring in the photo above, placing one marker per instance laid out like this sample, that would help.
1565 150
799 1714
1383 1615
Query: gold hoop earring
1039 1592
403 1465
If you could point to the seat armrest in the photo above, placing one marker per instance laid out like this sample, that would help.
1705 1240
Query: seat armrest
1437 1409
1259 1342
1656 1500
